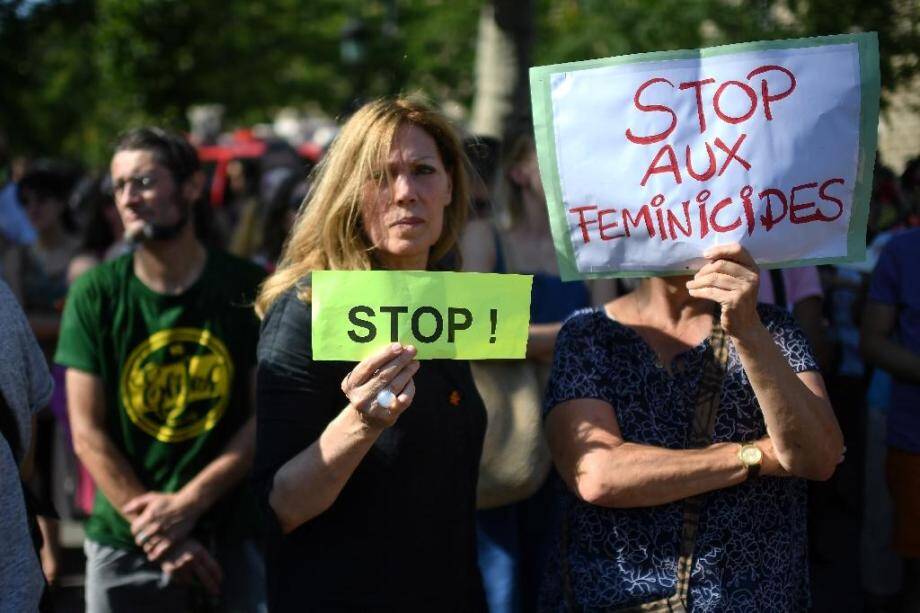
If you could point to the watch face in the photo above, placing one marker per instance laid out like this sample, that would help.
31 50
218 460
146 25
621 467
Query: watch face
751 454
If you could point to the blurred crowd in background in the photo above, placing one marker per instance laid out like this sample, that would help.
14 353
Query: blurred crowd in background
58 220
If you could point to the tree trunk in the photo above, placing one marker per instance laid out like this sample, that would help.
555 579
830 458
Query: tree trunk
502 102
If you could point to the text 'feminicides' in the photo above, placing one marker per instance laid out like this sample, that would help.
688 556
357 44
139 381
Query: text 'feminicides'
803 203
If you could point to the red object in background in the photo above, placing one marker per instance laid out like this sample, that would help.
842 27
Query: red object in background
310 151
220 156
244 146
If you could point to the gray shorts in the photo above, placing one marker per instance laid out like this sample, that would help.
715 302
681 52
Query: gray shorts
119 580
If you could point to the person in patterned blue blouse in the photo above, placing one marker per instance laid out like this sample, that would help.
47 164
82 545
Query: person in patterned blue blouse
651 517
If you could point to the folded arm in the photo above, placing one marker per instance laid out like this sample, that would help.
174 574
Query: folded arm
602 468
795 408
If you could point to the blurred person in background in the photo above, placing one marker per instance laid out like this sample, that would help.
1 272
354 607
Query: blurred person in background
266 217
15 229
277 219
881 566
102 233
44 191
910 188
159 346
484 154
241 201
887 207
891 341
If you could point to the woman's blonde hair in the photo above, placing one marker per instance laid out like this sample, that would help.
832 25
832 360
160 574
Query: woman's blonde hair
328 233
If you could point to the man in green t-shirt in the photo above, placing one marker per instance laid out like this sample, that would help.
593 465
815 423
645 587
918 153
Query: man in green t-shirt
160 349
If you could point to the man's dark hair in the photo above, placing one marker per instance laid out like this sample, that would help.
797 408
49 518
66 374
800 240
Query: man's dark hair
170 149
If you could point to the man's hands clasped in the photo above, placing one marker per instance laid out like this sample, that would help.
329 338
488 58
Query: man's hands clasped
190 562
161 524
160 520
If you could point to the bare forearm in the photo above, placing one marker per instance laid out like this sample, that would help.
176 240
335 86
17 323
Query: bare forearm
310 482
801 422
891 356
222 473
110 470
637 475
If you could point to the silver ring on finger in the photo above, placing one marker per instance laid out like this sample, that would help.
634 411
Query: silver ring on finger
386 398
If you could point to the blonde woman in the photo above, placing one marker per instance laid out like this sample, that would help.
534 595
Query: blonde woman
368 471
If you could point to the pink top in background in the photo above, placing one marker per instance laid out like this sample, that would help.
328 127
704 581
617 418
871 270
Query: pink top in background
800 283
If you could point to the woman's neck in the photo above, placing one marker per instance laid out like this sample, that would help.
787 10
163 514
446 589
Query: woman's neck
664 314
667 298
390 261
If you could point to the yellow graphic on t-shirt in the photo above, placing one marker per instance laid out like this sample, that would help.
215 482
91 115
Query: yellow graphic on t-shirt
176 384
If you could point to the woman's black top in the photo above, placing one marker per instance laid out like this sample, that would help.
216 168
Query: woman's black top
401 535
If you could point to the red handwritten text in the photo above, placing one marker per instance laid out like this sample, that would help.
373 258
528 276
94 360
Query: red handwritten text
754 93
802 204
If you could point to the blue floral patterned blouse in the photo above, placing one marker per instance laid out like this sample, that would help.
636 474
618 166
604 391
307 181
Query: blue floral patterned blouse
750 552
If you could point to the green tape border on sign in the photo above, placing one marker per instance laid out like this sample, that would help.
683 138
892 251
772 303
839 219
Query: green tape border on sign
545 138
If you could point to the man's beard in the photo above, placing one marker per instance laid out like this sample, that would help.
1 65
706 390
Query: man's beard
159 232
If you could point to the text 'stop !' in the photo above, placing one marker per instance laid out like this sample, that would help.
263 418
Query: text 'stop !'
649 159
445 315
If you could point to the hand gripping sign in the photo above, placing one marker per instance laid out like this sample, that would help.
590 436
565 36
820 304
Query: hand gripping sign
468 316
649 159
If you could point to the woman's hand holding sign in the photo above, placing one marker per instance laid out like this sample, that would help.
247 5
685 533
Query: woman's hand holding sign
798 416
381 387
730 278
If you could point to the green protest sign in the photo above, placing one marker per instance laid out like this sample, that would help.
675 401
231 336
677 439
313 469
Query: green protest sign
469 316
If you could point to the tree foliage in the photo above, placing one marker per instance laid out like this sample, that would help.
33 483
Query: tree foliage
76 72
618 27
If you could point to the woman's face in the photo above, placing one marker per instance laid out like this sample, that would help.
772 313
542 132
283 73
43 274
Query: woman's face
526 174
44 211
403 216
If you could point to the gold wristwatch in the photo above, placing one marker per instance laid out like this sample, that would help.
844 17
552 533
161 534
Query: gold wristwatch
751 457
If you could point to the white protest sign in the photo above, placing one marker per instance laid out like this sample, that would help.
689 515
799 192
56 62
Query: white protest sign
649 159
